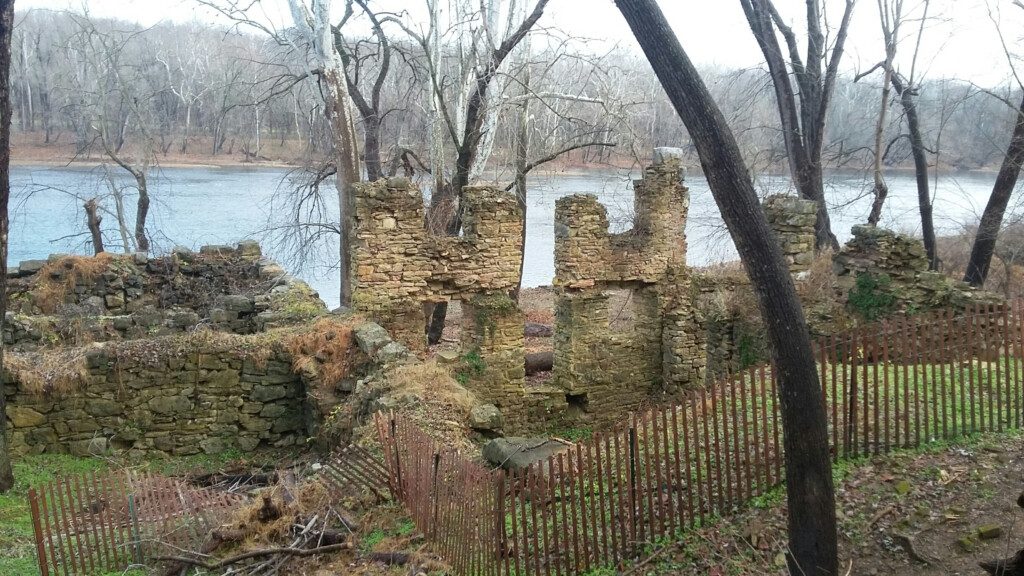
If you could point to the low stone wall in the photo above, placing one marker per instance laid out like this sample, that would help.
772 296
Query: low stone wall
75 300
154 399
883 254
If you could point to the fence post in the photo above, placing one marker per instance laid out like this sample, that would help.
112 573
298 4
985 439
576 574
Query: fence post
435 497
501 534
398 460
632 475
33 498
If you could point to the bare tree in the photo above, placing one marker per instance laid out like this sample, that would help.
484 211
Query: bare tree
313 36
6 31
890 13
812 518
472 123
1006 182
815 73
907 88
93 220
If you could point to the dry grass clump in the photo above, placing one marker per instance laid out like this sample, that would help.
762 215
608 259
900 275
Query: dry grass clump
439 404
818 284
433 383
269 519
55 280
54 371
325 348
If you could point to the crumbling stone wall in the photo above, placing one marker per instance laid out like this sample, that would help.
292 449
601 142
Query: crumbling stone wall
793 220
902 259
232 289
400 269
163 403
603 372
598 372
121 375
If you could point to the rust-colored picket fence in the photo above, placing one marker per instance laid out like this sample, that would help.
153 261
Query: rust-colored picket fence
899 383
104 522
91 523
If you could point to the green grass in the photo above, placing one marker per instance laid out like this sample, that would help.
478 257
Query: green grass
16 537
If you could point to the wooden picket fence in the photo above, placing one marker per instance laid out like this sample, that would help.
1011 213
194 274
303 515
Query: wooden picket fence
90 523
895 384
105 522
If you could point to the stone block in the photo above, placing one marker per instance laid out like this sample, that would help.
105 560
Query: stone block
23 417
212 445
170 405
90 447
236 303
247 444
249 249
515 453
273 411
485 417
122 322
262 393
29 267
114 301
392 352
45 436
371 337
217 250
100 407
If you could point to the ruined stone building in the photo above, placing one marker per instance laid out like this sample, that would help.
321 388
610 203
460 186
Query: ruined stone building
598 372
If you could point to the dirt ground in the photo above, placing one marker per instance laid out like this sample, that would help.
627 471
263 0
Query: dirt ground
901 514
912 514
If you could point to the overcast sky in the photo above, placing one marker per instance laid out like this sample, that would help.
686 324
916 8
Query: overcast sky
961 41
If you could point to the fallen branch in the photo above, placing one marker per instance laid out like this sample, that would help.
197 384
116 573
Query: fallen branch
252 554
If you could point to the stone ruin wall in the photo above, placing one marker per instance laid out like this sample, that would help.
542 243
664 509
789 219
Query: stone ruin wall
879 252
677 338
140 387
598 373
231 289
401 269
176 404
605 372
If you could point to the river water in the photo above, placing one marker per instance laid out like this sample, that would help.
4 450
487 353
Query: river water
199 205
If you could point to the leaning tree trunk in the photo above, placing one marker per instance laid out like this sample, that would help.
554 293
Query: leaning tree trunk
924 195
992 217
92 220
6 30
811 501
141 211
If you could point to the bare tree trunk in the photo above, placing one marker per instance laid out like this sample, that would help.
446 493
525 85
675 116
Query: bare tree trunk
992 217
371 147
812 520
520 183
122 227
924 195
6 30
93 220
891 17
141 212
